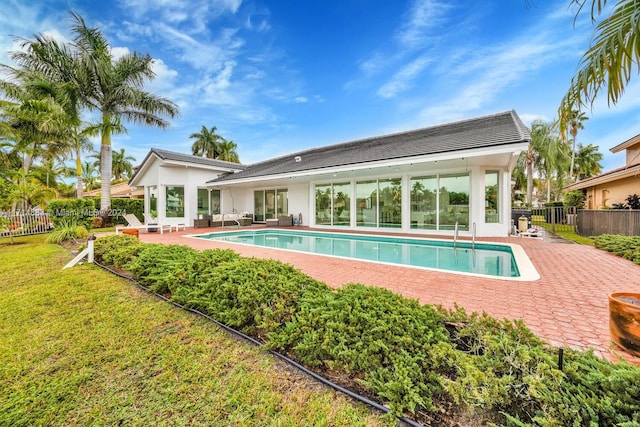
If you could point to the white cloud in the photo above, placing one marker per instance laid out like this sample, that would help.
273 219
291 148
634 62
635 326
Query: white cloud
119 52
402 79
424 16
197 13
300 99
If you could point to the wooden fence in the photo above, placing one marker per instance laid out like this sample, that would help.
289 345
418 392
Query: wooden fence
625 222
22 223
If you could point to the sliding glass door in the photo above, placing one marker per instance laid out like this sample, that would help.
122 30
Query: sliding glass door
269 204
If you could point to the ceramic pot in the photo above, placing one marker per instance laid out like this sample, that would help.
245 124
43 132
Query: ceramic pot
624 321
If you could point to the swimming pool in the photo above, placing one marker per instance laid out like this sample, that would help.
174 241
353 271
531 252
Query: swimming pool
503 261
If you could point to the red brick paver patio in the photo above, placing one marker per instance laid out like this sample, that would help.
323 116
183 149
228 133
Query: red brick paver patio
567 306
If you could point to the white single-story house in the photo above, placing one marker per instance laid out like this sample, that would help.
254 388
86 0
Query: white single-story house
421 181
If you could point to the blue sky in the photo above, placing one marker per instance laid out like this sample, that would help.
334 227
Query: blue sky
281 76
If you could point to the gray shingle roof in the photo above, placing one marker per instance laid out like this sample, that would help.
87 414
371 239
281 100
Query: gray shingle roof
188 158
494 130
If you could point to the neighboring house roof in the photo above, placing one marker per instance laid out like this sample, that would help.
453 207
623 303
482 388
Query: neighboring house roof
626 144
488 131
119 190
603 178
186 159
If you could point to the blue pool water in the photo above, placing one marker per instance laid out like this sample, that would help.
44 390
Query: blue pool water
483 259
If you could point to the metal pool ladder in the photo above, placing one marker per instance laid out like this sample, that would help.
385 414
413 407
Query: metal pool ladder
473 236
455 235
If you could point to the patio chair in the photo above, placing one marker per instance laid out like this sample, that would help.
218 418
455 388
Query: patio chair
149 219
134 222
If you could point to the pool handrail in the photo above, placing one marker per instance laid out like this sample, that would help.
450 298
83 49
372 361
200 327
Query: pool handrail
455 235
473 236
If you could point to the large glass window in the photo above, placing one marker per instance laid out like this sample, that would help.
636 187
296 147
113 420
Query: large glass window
270 204
203 201
367 204
215 202
424 206
175 201
491 207
390 202
439 202
333 204
282 203
258 206
153 201
379 203
323 204
342 204
454 202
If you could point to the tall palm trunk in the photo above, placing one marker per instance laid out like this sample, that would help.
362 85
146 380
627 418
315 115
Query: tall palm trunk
573 158
79 183
105 168
529 180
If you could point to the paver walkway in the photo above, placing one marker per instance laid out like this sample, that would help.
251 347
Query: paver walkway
567 306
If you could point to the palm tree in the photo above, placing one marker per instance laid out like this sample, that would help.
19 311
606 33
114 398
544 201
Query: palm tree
575 123
558 166
539 136
89 174
227 151
121 164
206 143
610 60
31 121
547 154
50 68
588 161
113 87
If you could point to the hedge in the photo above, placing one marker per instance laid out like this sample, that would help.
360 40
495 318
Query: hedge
420 360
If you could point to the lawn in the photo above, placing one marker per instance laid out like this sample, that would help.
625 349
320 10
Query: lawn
83 347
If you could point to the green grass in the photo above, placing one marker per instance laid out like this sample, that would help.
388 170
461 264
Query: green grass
83 347
575 237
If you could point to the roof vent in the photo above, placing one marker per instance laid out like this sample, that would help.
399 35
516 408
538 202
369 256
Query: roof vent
298 159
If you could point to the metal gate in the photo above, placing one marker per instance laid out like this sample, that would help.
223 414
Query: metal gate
23 223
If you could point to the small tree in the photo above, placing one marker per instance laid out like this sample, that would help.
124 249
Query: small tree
574 198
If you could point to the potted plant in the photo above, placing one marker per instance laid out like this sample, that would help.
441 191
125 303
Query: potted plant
624 321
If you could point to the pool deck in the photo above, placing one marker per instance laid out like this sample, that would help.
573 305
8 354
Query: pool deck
567 306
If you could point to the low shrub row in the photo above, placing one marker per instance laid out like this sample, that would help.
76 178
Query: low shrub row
417 359
627 247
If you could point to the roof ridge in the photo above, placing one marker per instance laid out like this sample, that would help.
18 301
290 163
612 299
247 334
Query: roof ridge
455 124
157 150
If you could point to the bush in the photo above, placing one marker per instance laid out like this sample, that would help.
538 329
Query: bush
498 363
253 295
390 343
82 210
117 249
632 202
627 247
156 265
67 229
197 269
574 198
413 358
121 207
